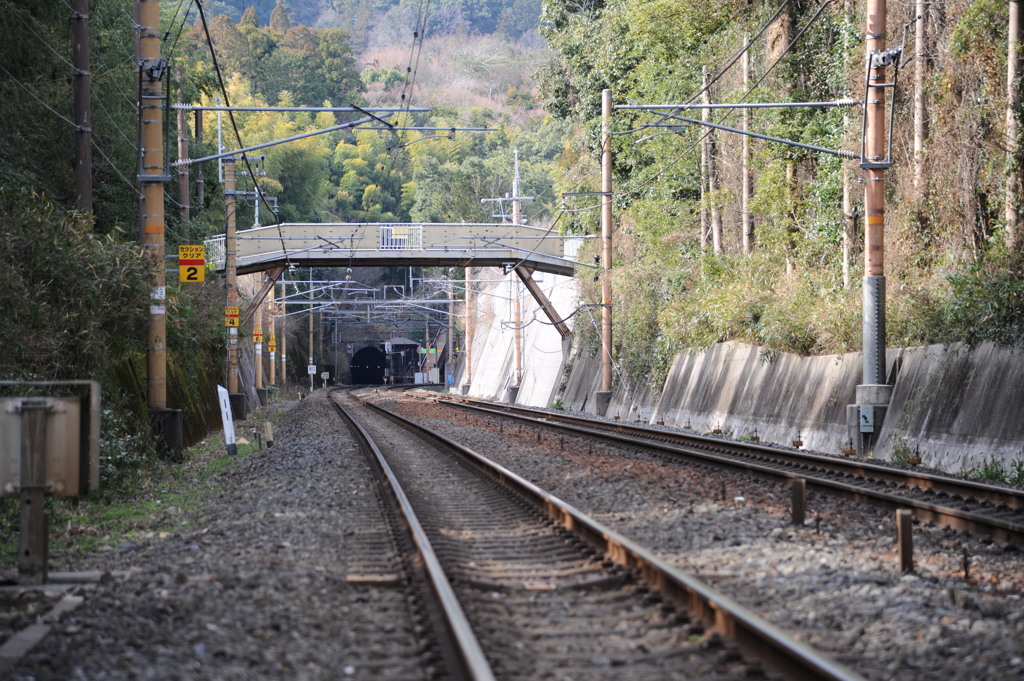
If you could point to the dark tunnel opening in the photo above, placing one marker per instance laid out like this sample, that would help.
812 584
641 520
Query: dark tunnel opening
368 367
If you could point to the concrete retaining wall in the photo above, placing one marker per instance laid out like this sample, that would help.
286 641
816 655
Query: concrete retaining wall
944 399
493 356
960 407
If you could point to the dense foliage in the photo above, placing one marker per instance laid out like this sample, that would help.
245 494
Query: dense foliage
949 278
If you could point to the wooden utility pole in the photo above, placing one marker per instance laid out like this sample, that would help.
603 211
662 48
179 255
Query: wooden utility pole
605 394
83 113
920 101
712 144
230 270
1013 103
747 225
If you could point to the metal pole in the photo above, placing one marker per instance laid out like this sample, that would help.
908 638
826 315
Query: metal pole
606 251
230 270
83 114
151 71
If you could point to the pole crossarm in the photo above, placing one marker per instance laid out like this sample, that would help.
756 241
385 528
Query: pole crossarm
383 244
810 147
298 109
238 152
739 105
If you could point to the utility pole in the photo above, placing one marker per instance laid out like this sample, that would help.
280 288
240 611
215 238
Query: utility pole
311 361
604 396
747 225
272 328
716 217
237 398
705 165
183 191
284 344
200 181
1013 103
920 101
468 342
257 337
83 113
153 175
517 298
873 394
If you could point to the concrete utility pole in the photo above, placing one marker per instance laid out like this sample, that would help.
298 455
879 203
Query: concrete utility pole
747 224
920 101
152 176
604 396
238 405
705 157
1013 102
284 344
257 338
468 342
517 294
311 361
183 190
272 330
716 217
200 181
83 113
873 395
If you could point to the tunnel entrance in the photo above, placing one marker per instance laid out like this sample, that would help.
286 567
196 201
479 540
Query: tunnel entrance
368 366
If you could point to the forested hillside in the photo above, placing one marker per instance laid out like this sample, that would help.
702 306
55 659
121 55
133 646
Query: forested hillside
951 275
792 284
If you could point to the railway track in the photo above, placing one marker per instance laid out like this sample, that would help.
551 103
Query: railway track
531 588
981 509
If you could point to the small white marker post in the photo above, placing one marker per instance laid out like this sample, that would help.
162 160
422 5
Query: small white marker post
229 424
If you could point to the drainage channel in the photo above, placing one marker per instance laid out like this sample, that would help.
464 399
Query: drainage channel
551 593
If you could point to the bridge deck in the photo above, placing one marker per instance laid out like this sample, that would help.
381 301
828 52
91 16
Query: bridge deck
374 245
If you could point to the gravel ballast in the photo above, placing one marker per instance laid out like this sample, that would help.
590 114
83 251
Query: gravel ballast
834 583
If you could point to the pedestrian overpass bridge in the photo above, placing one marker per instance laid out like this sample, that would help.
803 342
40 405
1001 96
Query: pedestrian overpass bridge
390 244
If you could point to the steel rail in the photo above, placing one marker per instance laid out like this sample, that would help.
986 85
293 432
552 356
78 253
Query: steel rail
464 645
767 461
753 634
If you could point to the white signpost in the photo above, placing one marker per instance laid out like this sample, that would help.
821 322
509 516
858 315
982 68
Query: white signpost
229 424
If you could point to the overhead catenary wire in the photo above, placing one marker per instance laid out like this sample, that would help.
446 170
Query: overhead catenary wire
727 114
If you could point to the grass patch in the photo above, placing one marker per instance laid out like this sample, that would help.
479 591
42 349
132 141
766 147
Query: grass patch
157 496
